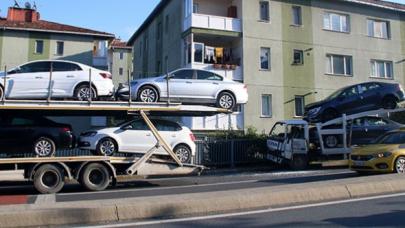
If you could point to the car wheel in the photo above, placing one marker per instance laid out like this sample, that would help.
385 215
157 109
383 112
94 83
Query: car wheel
82 93
148 94
183 153
299 162
95 177
226 101
331 141
44 147
48 179
329 114
107 147
400 165
1 93
390 103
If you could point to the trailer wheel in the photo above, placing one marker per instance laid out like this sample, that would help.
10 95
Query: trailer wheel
299 162
48 179
95 177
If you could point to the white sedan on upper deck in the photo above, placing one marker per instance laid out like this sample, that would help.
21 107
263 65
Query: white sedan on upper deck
69 80
188 86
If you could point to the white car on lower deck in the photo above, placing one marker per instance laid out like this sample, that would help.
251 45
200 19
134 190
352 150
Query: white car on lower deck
135 137
68 80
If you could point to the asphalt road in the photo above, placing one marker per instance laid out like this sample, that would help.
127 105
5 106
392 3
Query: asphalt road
372 212
178 185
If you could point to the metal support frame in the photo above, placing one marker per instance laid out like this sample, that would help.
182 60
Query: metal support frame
161 142
5 84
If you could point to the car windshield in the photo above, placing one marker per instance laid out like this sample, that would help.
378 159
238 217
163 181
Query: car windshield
278 131
335 94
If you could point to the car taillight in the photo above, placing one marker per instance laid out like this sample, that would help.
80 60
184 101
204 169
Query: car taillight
245 87
192 137
106 75
65 129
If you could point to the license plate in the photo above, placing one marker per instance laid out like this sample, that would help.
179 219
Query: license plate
359 163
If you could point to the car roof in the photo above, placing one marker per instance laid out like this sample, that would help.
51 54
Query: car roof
294 122
56 60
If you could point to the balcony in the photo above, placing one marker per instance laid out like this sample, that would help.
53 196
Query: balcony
213 22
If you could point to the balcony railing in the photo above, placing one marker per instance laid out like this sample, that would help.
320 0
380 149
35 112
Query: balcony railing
213 22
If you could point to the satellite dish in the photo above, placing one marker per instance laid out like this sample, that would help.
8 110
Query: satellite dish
28 5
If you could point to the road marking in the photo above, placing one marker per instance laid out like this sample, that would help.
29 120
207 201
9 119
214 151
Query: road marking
46 199
270 210
278 174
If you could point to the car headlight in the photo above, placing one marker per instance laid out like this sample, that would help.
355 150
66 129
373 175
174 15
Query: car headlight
89 134
383 155
314 111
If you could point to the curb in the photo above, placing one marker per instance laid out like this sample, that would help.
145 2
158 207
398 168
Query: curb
199 203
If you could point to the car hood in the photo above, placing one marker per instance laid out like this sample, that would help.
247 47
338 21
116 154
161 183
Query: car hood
373 149
134 82
315 105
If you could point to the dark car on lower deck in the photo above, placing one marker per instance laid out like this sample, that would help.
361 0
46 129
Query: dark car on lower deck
37 135
356 99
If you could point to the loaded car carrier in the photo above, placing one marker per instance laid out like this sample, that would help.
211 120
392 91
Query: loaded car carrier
96 173
299 143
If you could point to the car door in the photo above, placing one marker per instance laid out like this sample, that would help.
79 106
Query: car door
375 126
208 84
349 101
182 84
358 133
169 131
29 81
65 77
136 137
370 95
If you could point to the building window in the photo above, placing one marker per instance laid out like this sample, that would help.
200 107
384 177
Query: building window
298 57
378 29
267 106
339 65
39 46
198 52
264 11
382 69
158 67
167 24
121 71
297 15
265 61
299 106
336 22
60 46
140 49
195 7
121 55
159 31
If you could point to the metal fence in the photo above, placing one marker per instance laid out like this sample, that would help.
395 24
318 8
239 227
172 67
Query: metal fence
230 152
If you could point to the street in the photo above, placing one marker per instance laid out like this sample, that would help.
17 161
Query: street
382 211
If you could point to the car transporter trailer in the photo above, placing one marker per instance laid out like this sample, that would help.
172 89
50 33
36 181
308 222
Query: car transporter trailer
96 173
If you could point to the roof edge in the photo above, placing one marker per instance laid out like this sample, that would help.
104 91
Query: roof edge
110 36
379 5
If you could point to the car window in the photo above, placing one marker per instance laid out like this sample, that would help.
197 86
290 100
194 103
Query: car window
206 75
16 121
352 91
63 66
183 74
139 125
393 138
35 67
375 122
163 125
358 122
369 87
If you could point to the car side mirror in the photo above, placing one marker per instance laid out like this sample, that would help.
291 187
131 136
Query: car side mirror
170 76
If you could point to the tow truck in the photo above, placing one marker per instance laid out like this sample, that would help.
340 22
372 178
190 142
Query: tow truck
96 173
299 143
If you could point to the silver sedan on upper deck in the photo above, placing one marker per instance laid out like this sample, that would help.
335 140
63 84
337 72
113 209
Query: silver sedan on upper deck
188 86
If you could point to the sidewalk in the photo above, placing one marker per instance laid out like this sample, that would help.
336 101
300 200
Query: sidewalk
48 212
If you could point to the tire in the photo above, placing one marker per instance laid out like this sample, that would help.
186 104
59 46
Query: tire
299 162
107 147
1 93
183 153
48 179
389 103
329 114
95 177
331 141
400 165
44 147
148 94
82 93
226 100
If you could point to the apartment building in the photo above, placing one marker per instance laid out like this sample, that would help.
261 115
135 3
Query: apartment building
120 65
25 37
288 52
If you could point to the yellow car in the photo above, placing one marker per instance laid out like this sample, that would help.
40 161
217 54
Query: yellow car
385 155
